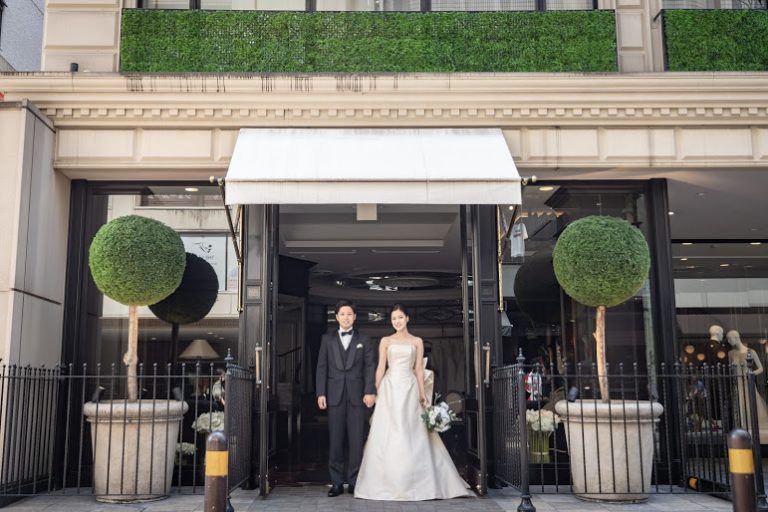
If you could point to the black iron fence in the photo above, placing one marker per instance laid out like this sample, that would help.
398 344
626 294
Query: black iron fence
70 430
661 430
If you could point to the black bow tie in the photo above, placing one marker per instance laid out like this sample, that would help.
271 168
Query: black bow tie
346 333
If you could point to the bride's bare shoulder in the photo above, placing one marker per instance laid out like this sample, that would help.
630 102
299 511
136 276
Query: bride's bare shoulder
385 340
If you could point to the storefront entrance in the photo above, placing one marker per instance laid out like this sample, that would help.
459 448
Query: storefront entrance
439 260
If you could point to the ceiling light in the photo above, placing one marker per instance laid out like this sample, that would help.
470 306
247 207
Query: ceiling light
210 333
701 357
690 349
683 259
511 207
755 243
687 243
546 188
725 264
671 213
690 266
753 229
192 189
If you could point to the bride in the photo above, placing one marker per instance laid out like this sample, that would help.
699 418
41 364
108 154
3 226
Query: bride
403 461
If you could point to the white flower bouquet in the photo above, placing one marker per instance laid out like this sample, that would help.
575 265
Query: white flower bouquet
182 451
541 424
209 422
438 417
542 420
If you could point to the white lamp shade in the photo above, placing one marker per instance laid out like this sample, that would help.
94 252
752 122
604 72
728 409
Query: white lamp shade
199 349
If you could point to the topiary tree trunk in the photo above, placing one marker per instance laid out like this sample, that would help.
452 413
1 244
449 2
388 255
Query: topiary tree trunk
131 357
599 335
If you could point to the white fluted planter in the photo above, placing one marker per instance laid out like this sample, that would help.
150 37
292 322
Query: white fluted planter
134 445
610 445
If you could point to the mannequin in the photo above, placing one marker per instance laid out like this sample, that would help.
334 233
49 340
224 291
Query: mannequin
738 356
716 333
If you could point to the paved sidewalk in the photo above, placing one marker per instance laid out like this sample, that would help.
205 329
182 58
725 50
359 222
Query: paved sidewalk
313 499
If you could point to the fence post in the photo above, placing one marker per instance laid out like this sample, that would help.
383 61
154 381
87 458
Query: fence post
762 504
216 472
522 406
742 468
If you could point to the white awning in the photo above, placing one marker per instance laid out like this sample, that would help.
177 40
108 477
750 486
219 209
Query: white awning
348 166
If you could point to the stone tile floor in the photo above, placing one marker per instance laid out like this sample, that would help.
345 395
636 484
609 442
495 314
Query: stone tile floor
313 499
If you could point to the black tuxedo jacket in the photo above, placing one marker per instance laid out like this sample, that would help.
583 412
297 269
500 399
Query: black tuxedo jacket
352 370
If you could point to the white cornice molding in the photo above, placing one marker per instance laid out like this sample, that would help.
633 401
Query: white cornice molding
479 99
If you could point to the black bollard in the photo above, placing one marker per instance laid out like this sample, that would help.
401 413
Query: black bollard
742 467
216 471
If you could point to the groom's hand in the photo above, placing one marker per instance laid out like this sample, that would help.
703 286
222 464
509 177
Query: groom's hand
321 403
369 400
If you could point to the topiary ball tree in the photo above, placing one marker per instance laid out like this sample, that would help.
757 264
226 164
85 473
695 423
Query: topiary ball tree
136 261
601 262
192 300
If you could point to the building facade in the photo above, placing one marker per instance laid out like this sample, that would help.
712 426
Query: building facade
651 135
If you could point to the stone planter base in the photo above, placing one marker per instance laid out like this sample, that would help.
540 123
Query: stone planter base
133 448
611 447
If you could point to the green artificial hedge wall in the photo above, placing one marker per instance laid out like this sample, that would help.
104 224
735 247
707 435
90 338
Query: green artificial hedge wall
717 40
350 42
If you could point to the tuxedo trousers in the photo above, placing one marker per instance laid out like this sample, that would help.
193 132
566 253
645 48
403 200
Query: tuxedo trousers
346 422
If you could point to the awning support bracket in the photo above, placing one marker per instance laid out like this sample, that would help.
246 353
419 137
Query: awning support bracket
236 234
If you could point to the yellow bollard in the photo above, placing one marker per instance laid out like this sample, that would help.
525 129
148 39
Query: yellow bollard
216 472
742 467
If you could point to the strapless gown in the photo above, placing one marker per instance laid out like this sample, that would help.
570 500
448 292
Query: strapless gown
402 460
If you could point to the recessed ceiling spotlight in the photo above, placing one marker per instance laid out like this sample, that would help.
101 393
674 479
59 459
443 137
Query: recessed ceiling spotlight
725 264
192 189
598 204
671 213
511 207
755 243
546 188
687 243
683 259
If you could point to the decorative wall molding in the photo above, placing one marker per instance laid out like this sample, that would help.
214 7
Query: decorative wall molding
184 127
510 100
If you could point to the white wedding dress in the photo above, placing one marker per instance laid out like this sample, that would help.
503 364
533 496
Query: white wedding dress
402 460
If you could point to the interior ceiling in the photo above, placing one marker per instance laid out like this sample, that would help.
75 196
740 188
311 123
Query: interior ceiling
708 204
411 251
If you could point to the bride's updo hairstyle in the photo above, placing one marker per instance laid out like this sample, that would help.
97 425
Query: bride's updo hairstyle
399 307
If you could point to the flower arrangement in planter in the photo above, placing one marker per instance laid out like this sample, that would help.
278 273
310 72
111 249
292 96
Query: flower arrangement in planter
541 424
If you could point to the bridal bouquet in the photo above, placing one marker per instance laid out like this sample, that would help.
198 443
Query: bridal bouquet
438 417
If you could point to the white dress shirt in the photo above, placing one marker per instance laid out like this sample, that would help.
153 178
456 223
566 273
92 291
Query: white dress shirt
345 340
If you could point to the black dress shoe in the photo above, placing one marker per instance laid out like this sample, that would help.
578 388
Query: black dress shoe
335 491
351 489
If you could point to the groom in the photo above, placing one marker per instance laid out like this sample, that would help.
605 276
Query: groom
345 387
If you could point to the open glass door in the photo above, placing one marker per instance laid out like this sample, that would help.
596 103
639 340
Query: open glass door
478 334
265 360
